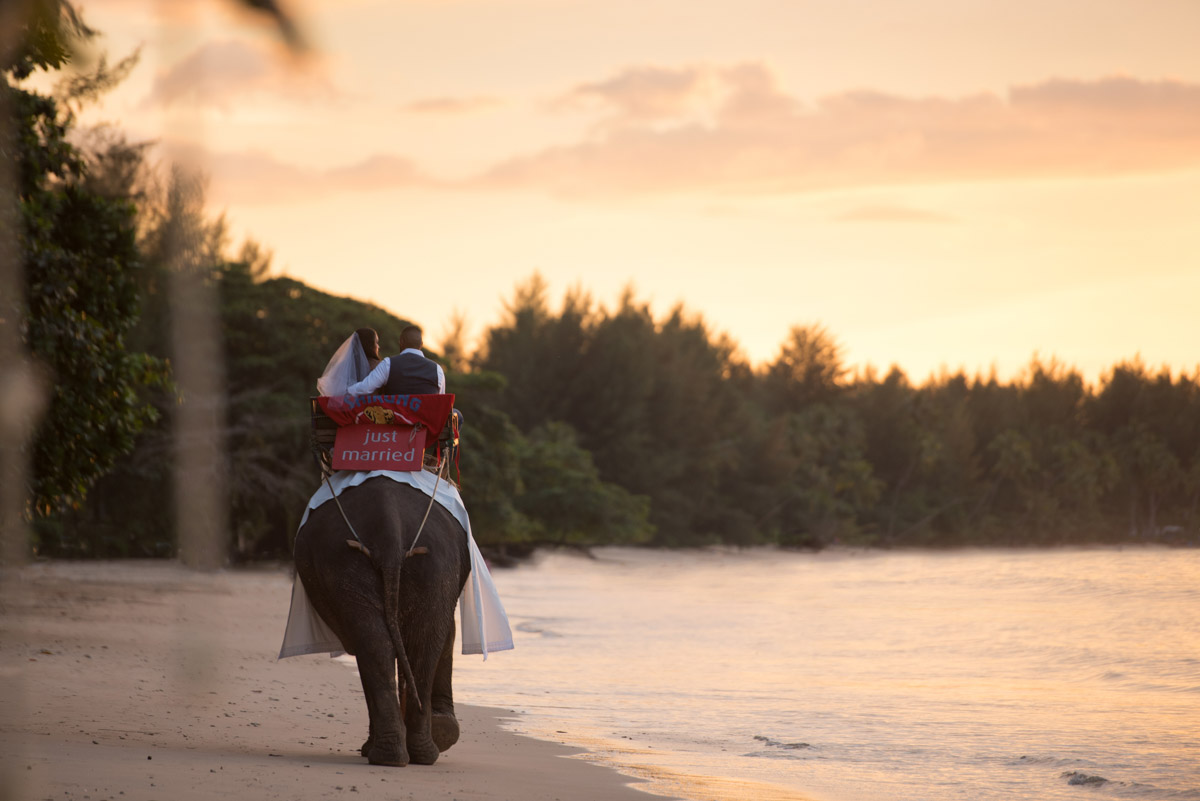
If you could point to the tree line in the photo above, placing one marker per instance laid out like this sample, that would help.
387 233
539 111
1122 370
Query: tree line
803 452
584 424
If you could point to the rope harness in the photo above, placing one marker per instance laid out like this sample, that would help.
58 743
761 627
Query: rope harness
320 452
357 543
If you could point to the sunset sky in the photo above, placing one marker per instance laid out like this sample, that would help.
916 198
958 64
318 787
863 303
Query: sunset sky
959 183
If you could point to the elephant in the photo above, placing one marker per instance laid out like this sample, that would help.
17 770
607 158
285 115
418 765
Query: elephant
389 607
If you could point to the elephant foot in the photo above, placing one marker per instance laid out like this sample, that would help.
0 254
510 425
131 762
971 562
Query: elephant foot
444 729
366 747
422 752
388 751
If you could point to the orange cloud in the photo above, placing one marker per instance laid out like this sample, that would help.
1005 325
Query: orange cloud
641 94
217 72
255 177
735 129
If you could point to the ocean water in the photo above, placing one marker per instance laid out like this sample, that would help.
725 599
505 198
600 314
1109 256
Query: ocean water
848 676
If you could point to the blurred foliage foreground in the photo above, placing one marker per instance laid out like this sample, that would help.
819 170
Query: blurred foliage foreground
584 425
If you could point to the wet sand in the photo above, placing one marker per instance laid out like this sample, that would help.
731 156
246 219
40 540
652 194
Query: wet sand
144 680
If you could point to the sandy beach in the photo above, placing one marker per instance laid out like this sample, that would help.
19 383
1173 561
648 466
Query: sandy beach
144 680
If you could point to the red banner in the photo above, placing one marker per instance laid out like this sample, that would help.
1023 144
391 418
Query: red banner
369 446
430 411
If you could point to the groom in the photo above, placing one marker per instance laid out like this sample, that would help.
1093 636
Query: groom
409 372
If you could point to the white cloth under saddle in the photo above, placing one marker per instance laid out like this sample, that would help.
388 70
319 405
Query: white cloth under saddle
483 621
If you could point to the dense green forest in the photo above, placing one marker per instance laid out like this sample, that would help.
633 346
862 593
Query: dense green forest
584 424
800 452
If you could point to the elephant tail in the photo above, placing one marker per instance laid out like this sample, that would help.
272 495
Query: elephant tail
390 573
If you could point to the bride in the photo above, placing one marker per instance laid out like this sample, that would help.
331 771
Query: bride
350 363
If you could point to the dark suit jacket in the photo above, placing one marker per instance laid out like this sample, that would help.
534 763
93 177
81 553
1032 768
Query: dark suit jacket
411 374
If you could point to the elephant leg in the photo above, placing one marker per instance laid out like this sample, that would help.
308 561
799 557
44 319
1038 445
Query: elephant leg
443 724
421 748
386 742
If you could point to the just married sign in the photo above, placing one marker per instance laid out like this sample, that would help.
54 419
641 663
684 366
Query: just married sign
384 432
370 446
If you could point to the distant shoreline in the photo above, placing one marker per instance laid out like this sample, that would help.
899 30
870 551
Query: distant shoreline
507 557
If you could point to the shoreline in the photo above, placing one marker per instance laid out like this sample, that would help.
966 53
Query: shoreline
142 679
499 557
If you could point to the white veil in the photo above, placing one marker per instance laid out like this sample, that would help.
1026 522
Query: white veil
348 366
